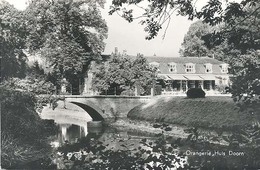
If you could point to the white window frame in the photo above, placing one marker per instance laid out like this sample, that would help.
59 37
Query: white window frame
191 67
208 68
172 67
224 68
154 65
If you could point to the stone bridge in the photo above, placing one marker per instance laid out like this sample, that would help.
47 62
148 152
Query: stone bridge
106 107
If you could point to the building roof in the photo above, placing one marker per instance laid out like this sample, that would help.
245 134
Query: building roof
183 60
181 64
200 64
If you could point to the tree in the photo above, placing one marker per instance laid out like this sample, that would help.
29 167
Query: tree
121 73
157 13
193 45
12 42
69 34
239 36
239 46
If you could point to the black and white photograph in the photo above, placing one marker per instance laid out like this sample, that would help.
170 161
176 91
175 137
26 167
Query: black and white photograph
130 84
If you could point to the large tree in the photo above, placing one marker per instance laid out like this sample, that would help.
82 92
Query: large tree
157 13
237 41
193 45
122 73
68 33
12 42
238 44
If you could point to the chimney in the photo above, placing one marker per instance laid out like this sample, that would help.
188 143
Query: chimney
116 50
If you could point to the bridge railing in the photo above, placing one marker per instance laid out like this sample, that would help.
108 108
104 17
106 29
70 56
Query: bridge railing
105 96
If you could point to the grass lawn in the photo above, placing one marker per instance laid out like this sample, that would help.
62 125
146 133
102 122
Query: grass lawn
209 112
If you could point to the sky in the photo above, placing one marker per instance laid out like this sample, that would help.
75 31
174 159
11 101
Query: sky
130 37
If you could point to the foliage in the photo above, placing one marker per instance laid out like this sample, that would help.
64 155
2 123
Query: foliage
237 43
20 142
195 93
156 13
12 41
122 73
128 93
69 34
193 45
30 84
97 154
159 152
246 85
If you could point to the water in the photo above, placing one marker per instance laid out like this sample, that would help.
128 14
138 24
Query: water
72 142
199 156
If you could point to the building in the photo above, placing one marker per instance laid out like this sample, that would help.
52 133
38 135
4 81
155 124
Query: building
178 74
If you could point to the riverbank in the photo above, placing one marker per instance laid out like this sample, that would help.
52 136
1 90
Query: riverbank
173 131
212 112
146 127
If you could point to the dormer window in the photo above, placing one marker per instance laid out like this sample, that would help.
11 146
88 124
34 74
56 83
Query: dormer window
154 65
208 68
224 68
190 68
172 67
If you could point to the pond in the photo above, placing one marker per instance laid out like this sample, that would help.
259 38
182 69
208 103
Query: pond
76 146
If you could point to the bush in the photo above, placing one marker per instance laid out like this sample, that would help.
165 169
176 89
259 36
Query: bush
128 93
195 93
23 132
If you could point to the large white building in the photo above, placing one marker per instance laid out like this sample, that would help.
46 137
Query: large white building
182 73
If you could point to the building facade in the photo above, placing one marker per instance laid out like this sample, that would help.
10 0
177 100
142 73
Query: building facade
178 74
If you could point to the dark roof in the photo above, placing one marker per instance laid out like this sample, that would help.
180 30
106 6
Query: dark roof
183 60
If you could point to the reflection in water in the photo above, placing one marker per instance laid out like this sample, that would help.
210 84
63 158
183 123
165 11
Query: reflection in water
72 126
72 122
71 133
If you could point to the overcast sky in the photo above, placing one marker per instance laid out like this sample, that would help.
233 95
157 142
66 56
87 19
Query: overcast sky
131 36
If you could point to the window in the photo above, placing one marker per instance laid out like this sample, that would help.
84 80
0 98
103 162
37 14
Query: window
154 64
172 67
224 68
190 68
208 68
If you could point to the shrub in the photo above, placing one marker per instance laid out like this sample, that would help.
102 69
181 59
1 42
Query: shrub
128 92
195 93
23 132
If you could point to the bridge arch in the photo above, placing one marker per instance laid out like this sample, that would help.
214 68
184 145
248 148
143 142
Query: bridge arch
95 113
